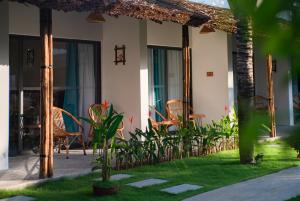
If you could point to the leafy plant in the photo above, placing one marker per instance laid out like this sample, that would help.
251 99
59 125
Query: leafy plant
104 136
294 141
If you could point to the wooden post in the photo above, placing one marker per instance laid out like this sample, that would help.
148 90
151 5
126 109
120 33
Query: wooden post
186 57
271 104
46 143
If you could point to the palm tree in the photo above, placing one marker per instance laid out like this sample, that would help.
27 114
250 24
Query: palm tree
245 79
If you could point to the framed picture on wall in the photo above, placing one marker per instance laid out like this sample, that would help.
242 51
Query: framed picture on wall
120 55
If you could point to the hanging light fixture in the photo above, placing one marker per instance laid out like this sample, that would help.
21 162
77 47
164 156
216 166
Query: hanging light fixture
95 17
206 29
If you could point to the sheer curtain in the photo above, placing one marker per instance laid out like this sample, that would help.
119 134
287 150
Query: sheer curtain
174 61
86 81
165 77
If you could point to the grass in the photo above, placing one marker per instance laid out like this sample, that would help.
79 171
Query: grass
210 172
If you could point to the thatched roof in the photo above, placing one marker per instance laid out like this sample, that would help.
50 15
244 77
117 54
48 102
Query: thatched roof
220 18
179 11
159 11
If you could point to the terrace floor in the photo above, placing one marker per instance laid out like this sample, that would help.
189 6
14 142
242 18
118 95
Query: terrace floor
24 169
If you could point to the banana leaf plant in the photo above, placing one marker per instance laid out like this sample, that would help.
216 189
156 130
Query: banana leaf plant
104 135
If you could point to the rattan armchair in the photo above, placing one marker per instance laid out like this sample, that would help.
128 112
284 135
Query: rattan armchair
165 122
102 109
261 103
174 110
61 135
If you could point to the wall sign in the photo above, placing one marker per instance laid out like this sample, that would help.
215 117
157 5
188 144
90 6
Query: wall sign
210 74
120 55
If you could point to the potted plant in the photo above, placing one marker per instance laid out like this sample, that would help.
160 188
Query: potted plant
104 132
294 141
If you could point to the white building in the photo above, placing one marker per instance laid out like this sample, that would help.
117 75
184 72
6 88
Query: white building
129 87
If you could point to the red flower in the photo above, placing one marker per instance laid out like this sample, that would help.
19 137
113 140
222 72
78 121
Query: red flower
105 105
226 108
131 119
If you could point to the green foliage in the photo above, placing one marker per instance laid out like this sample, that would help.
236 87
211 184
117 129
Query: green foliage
104 132
156 145
294 140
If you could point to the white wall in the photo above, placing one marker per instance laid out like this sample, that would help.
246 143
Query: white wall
4 85
24 20
121 83
282 87
167 34
144 75
210 54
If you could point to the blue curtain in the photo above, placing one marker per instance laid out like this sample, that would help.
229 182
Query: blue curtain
160 83
71 92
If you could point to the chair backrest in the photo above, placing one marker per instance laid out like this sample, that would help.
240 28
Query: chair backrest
100 109
174 109
296 102
93 109
58 120
261 103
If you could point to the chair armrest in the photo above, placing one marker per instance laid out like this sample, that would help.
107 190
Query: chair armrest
197 116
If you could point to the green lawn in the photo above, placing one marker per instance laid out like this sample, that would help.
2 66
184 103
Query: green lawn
295 199
211 172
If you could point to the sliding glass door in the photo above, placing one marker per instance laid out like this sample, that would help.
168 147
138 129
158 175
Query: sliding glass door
165 77
76 85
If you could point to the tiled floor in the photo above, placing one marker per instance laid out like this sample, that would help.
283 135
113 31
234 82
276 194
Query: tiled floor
24 170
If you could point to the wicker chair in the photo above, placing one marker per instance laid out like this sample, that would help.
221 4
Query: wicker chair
261 103
61 135
174 109
101 109
296 103
164 122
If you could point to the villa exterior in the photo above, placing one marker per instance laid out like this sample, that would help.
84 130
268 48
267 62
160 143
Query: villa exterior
152 49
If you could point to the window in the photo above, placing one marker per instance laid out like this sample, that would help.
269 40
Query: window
165 76
76 85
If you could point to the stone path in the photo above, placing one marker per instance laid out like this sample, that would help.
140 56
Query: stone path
147 182
18 198
181 188
279 186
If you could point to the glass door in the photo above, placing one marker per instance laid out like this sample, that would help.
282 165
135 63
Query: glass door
76 81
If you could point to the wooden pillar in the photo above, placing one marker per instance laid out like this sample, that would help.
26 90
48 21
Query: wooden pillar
46 98
271 104
186 58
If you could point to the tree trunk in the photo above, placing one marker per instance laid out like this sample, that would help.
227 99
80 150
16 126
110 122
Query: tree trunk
186 58
246 88
271 103
106 163
46 141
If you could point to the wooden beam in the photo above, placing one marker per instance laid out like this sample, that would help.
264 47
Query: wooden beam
46 98
271 104
186 61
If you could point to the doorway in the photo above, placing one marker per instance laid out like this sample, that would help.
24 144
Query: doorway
77 84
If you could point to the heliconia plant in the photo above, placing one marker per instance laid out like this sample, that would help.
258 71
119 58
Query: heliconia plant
104 135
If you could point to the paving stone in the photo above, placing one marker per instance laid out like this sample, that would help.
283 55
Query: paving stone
116 177
279 186
18 198
181 188
147 182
